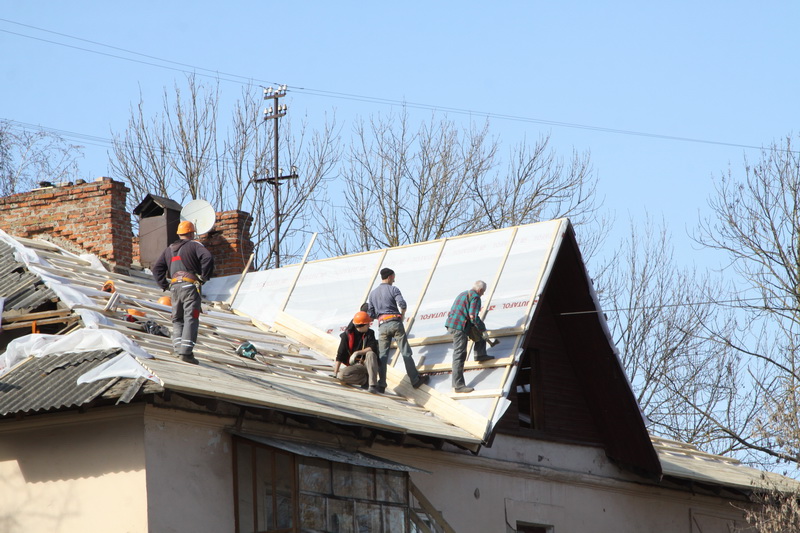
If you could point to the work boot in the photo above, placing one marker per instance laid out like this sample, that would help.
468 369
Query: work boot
190 359
373 390
484 358
463 388
423 380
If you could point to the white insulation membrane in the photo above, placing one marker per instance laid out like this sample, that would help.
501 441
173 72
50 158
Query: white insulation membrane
326 293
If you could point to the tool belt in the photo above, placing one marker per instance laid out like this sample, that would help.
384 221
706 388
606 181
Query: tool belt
182 276
388 318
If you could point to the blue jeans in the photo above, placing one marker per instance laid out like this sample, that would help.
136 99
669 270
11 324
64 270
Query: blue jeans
387 331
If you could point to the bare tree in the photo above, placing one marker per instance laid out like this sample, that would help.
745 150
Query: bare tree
539 185
28 157
404 185
658 315
777 511
756 223
183 153
314 156
170 153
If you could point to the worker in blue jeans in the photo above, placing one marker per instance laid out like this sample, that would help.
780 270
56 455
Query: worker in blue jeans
386 303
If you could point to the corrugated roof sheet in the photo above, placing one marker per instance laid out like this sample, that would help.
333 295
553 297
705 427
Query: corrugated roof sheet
687 462
43 383
336 455
22 290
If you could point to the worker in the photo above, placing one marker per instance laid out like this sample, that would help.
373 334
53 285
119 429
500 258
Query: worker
465 316
182 268
358 352
386 303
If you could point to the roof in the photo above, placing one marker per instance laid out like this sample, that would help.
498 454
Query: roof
320 297
316 300
293 315
687 462
21 290
152 205
286 375
50 382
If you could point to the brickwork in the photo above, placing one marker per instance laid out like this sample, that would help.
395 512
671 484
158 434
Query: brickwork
85 217
92 218
229 242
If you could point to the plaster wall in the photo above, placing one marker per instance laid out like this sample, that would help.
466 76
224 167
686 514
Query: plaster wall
571 488
79 473
189 472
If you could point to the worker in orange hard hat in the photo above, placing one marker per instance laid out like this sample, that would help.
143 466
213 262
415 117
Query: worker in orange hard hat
182 268
358 352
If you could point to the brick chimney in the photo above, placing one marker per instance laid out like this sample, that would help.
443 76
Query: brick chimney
229 242
84 217
92 218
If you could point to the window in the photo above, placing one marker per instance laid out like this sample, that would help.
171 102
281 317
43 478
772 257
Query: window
276 491
265 494
529 390
527 528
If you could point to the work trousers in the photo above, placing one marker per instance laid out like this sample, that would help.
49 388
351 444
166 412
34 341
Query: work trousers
394 329
185 316
360 374
460 339
459 356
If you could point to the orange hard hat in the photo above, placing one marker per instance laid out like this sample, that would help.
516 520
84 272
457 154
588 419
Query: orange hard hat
165 300
136 312
362 318
185 227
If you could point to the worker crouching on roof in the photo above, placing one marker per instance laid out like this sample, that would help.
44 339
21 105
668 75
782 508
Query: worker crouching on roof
358 352
182 268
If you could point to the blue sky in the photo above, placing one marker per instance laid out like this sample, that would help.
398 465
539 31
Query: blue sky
663 96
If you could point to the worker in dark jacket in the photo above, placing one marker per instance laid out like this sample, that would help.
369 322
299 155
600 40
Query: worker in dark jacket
358 352
182 268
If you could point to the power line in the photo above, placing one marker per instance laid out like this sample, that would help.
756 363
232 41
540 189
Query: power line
658 307
236 78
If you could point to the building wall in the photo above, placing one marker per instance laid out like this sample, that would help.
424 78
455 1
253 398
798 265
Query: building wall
572 488
189 472
517 480
76 473
145 469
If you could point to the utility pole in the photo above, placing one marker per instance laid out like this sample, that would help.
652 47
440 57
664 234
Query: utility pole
275 112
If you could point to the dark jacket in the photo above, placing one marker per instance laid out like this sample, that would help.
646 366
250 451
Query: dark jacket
194 257
351 340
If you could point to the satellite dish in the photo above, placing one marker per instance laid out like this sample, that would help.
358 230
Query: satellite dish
201 214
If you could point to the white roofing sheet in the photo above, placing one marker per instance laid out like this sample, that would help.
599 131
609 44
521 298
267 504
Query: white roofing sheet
326 293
